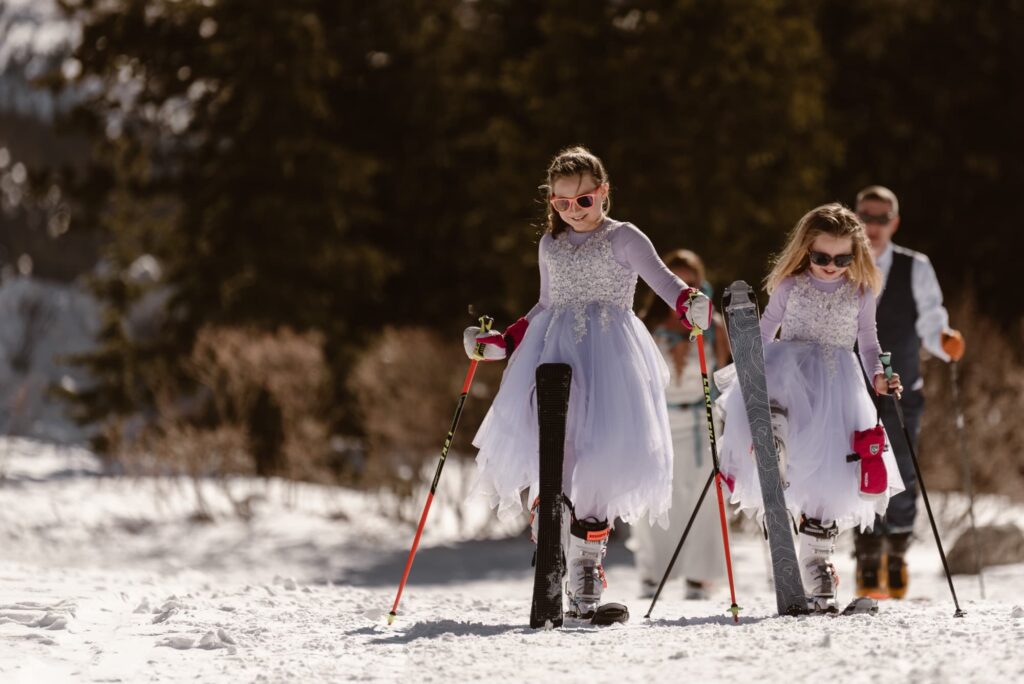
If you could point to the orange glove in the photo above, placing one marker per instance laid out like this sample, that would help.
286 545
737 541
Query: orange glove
953 344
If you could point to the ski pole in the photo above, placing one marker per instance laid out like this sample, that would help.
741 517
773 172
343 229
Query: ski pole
485 325
966 459
886 359
734 608
715 476
682 540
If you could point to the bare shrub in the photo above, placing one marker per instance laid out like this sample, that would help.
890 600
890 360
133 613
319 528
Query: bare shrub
991 380
275 384
406 385
259 410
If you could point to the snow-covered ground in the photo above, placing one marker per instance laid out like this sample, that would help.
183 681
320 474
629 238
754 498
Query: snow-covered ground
105 580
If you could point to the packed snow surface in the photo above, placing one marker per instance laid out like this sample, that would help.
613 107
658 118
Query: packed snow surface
117 580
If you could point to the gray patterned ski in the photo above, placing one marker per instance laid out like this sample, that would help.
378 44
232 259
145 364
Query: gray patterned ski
748 355
553 381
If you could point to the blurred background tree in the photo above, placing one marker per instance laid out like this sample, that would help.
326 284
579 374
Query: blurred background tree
350 167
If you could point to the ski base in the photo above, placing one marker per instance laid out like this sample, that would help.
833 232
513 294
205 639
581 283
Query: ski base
553 383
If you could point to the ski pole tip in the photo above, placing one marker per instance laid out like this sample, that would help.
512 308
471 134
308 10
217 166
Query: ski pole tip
391 617
735 610
959 613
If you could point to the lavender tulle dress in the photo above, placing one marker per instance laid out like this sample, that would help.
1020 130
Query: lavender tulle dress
618 456
814 374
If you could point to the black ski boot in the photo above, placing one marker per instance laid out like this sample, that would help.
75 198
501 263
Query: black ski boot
896 565
868 551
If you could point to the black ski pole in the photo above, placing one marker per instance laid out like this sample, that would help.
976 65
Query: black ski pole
966 459
886 359
679 546
716 475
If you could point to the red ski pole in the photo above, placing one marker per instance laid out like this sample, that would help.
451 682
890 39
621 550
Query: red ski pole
485 325
734 609
716 477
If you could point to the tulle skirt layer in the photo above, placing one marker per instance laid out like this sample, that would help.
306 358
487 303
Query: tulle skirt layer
618 455
823 393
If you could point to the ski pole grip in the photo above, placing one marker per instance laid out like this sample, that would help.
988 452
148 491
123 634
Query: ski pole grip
886 359
486 323
696 330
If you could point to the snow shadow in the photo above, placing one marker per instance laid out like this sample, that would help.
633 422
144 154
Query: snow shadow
706 620
461 562
440 628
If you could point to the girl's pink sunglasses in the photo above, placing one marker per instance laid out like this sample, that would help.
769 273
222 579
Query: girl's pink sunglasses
584 201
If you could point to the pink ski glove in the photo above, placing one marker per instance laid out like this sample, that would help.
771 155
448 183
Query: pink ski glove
497 346
868 447
694 309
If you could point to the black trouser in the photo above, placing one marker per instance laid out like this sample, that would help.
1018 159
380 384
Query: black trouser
899 516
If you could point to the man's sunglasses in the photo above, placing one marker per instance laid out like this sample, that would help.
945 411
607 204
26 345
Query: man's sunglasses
584 201
822 259
880 219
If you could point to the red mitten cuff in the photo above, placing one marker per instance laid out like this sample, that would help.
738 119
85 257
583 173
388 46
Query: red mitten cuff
514 334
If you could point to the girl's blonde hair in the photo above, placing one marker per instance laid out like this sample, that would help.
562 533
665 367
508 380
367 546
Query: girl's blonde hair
830 219
572 161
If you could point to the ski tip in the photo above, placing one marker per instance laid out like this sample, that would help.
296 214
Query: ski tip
862 605
738 295
609 614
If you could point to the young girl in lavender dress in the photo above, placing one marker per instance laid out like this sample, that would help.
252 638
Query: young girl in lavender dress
618 447
823 288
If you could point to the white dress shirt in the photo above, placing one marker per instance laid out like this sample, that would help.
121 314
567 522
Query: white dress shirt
932 317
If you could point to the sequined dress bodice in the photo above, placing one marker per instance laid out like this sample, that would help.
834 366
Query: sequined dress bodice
588 277
827 318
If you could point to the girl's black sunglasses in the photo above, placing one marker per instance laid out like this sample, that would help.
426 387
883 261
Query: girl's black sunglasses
822 259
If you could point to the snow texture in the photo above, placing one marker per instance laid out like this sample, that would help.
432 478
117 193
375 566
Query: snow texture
110 579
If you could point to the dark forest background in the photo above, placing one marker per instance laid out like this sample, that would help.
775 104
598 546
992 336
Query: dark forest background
328 186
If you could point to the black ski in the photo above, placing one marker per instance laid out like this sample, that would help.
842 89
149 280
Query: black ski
748 355
553 380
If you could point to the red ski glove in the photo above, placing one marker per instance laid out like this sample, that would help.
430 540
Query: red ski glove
868 447
694 309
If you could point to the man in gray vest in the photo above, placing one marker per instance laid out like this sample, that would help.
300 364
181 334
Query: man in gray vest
910 316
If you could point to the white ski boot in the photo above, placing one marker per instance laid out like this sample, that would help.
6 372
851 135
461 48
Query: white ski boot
817 544
585 543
